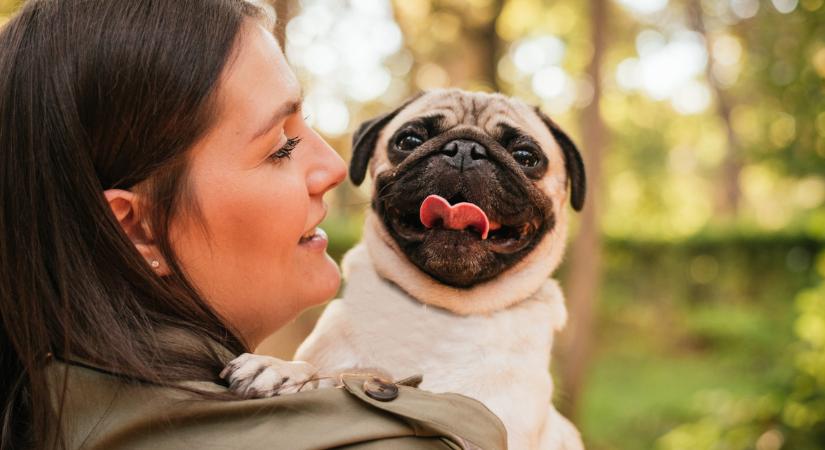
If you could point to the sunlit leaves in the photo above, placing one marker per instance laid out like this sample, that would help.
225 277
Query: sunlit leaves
343 52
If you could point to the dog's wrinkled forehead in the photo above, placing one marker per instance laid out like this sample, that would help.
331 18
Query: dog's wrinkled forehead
492 114
483 111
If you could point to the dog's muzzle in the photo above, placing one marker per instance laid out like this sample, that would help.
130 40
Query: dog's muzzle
464 154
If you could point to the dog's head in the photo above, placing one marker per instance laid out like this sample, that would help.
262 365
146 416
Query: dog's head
467 184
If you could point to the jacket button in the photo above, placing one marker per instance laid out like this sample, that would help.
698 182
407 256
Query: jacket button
378 389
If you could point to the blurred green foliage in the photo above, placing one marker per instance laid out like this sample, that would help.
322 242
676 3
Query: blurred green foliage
788 413
702 326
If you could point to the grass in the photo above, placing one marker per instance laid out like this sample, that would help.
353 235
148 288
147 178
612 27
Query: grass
637 394
665 340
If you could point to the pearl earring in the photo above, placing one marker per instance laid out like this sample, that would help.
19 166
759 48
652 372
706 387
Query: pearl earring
155 263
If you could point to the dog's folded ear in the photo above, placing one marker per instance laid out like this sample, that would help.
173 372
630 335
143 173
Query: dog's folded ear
573 163
365 139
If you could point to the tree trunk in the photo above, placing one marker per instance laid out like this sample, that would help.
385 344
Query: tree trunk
584 276
729 197
490 44
472 61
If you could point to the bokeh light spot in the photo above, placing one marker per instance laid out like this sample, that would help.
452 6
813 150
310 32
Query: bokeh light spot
692 98
785 6
727 50
531 55
783 130
818 61
704 269
549 82
430 76
344 52
669 69
770 440
333 117
744 9
644 6
798 259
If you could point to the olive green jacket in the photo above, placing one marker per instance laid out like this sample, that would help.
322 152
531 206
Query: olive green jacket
102 411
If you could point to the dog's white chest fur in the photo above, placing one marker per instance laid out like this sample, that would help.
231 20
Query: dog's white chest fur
501 359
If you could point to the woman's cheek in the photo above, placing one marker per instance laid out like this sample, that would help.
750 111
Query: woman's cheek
265 218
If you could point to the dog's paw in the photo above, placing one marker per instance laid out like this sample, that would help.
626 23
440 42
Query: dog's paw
256 376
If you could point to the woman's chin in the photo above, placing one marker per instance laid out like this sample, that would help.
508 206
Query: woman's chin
324 283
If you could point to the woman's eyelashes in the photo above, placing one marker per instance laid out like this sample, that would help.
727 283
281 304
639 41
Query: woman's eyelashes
286 150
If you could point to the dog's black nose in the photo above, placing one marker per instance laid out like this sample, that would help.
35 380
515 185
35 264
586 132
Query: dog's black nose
463 153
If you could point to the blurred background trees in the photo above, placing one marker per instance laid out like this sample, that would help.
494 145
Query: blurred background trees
695 276
704 135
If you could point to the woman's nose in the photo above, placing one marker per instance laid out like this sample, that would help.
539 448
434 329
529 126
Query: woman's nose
329 169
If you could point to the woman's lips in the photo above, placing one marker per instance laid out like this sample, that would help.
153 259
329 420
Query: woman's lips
315 239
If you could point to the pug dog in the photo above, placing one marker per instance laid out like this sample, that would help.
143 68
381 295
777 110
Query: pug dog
468 221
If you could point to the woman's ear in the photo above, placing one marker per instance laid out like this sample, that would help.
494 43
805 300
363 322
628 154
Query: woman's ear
126 207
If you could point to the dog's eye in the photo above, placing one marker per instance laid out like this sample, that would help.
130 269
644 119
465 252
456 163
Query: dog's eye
408 142
526 158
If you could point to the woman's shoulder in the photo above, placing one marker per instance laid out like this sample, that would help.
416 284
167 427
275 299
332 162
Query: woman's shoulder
104 412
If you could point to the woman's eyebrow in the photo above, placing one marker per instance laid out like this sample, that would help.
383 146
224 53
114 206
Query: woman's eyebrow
287 109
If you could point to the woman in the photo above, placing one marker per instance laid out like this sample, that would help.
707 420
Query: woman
160 195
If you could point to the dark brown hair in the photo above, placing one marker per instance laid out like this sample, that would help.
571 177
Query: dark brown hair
100 94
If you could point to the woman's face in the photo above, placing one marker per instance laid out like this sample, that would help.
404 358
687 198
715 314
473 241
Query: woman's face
251 245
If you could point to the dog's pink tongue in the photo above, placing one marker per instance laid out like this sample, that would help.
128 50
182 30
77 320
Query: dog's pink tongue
453 217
